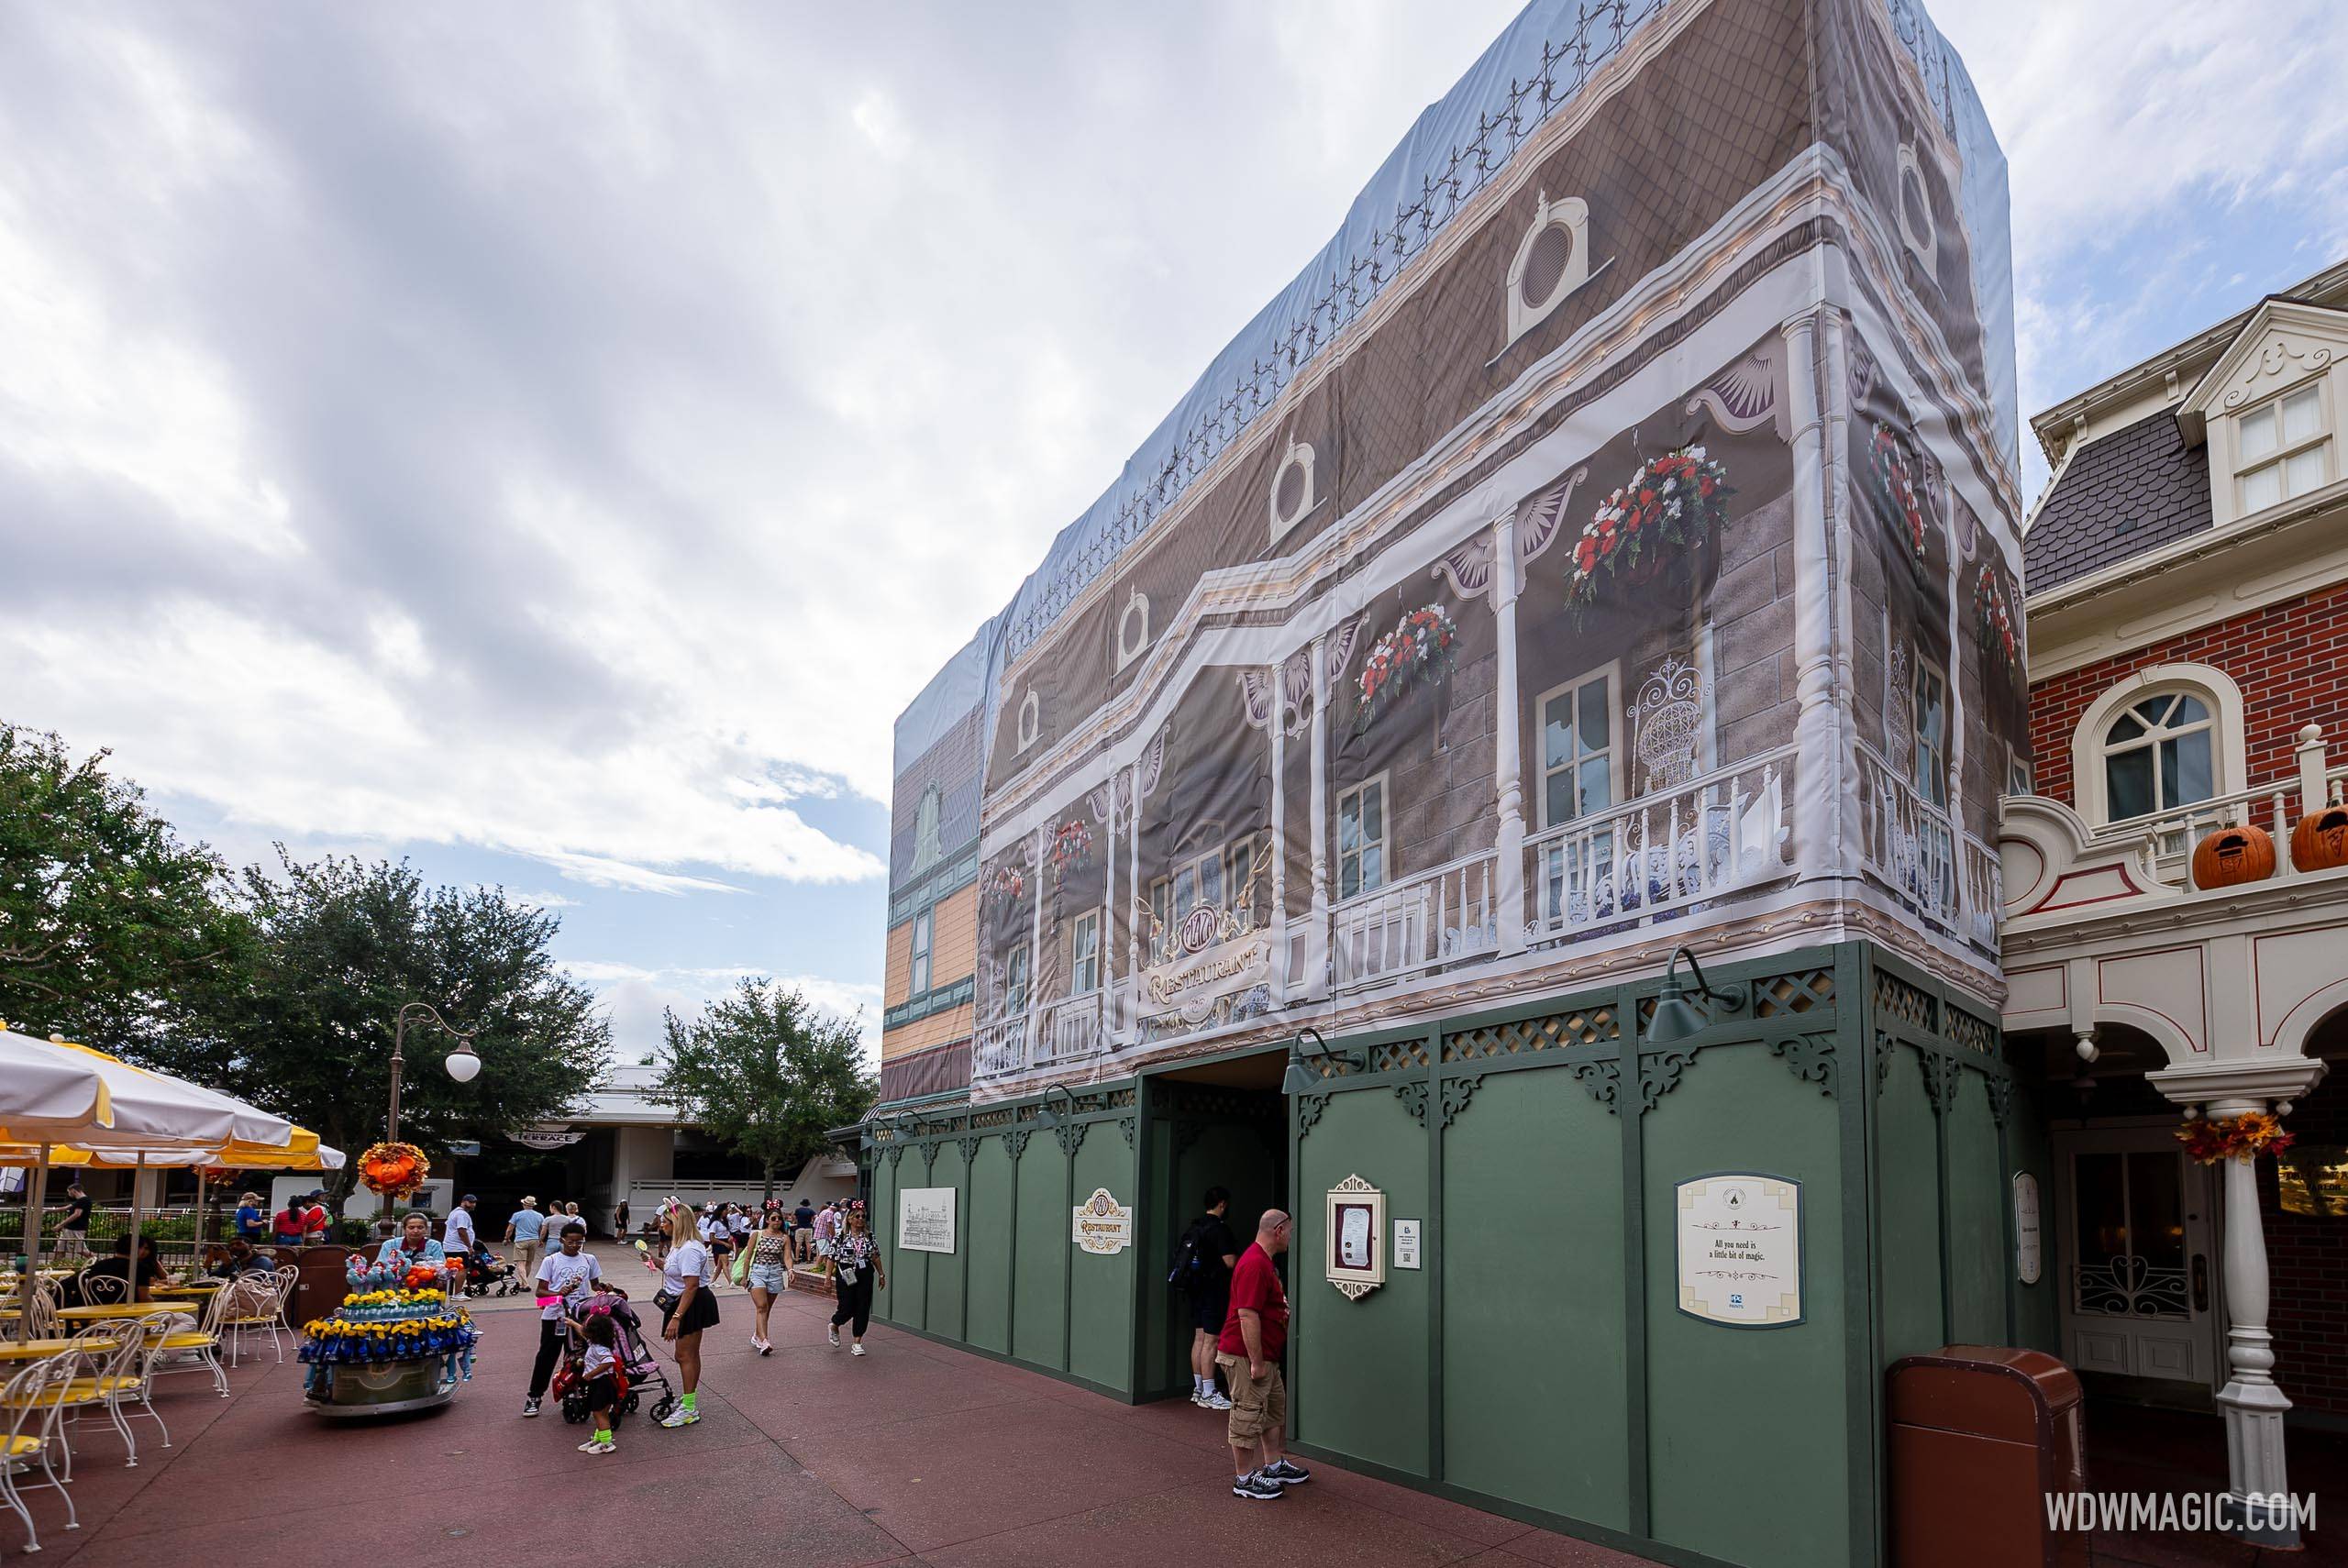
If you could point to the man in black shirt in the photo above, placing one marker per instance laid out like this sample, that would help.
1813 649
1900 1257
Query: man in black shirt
1213 1253
73 1230
138 1285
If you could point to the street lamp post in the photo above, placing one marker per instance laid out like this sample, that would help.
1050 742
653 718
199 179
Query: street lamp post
461 1064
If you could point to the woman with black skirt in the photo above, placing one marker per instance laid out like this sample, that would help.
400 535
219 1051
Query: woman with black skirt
855 1268
688 1305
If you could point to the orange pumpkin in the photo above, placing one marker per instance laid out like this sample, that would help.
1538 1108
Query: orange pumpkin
2321 841
2233 855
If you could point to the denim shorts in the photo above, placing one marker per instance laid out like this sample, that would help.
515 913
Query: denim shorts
767 1277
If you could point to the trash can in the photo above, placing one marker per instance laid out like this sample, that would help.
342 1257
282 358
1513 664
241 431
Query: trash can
319 1283
1980 1435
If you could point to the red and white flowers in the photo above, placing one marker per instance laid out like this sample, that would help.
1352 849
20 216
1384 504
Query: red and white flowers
1677 501
1007 887
1892 469
1418 648
1993 617
1071 848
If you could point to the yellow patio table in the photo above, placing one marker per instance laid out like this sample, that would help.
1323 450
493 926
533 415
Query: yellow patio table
104 1312
34 1350
194 1288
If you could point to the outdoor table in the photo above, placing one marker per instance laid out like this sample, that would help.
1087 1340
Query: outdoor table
34 1350
110 1309
192 1287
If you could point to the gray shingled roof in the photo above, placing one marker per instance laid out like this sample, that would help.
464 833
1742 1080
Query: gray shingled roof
2133 491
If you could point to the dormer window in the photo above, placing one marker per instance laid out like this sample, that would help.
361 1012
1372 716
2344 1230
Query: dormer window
1031 720
1133 629
1552 260
2280 448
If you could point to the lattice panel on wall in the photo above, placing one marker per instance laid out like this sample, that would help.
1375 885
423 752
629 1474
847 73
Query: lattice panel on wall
1973 1033
1398 1054
1554 1031
1798 992
1896 999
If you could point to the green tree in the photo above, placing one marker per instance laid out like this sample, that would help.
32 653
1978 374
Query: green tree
305 1025
105 914
765 1072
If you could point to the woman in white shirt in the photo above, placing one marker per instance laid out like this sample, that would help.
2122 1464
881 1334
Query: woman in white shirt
688 1305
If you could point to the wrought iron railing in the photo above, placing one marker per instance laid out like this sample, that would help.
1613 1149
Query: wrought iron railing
1417 923
1906 840
1725 830
2129 1286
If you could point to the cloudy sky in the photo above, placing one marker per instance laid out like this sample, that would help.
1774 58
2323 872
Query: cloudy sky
552 441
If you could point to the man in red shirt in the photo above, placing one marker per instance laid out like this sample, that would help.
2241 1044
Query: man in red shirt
1255 1331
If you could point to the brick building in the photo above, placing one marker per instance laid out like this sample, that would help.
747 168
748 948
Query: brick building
2187 604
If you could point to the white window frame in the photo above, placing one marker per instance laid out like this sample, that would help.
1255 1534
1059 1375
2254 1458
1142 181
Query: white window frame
1031 719
2244 467
1162 892
1930 782
1132 642
1618 739
1018 984
918 968
1385 840
2228 753
1572 215
1296 455
2151 740
1086 924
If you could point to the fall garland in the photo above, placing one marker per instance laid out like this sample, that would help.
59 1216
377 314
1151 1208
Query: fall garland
1071 849
1418 648
1893 471
2244 1138
394 1170
1994 617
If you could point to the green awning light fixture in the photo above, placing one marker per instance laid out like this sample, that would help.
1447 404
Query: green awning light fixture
1675 1017
1301 1079
1050 1119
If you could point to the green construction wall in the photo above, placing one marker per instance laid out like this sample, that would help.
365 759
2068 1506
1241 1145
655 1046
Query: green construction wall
1016 1286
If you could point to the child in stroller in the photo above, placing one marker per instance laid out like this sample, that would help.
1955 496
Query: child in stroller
631 1360
486 1274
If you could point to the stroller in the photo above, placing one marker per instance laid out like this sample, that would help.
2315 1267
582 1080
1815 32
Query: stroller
637 1366
486 1274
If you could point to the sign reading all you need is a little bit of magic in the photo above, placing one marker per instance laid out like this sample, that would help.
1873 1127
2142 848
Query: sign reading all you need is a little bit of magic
925 1218
1103 1224
1740 1250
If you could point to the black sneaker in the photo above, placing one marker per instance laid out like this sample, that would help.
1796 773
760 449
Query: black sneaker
1284 1472
1256 1488
529 1407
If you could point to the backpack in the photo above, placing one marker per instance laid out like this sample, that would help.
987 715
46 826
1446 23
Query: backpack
1188 1267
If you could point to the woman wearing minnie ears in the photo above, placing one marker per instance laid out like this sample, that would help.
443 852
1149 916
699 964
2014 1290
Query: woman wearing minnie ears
688 1305
856 1267
770 1274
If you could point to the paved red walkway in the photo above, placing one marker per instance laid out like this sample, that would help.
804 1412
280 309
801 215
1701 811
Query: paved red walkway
809 1457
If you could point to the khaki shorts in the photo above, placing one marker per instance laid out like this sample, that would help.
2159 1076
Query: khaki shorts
1256 1407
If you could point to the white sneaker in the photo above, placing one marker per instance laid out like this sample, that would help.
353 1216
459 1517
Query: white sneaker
529 1407
1215 1401
836 1336
857 1351
681 1417
1197 1398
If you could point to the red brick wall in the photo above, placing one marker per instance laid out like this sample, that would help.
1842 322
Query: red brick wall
2308 1260
2290 660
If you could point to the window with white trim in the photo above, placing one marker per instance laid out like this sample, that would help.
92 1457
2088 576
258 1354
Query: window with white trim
1014 983
2281 448
1928 758
1084 953
921 941
2158 754
1579 746
1132 628
1205 880
1361 838
1031 719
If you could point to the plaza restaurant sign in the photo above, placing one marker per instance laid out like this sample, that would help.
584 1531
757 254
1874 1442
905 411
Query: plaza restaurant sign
1192 983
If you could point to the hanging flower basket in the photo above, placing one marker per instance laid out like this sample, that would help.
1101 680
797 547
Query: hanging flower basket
1892 475
2244 1138
394 1170
1071 849
1665 518
1993 619
1007 887
1417 651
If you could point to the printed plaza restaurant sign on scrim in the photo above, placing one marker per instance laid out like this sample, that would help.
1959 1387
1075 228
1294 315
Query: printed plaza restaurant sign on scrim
1740 1250
925 1218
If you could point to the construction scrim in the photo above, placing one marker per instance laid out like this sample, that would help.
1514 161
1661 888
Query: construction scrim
1608 542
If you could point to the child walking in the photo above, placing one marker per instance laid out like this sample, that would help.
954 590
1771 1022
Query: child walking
600 1368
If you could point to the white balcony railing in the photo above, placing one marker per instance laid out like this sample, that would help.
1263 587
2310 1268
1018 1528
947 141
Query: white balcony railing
1907 841
2173 833
1417 923
1984 892
1666 851
1070 1028
1000 1049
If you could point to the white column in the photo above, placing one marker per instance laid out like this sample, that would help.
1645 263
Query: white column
1133 916
1316 947
1817 819
1279 837
1508 762
2253 1404
2310 755
1108 938
1036 946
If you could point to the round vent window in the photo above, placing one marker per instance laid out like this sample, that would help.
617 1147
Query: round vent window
1288 498
1915 210
1545 266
